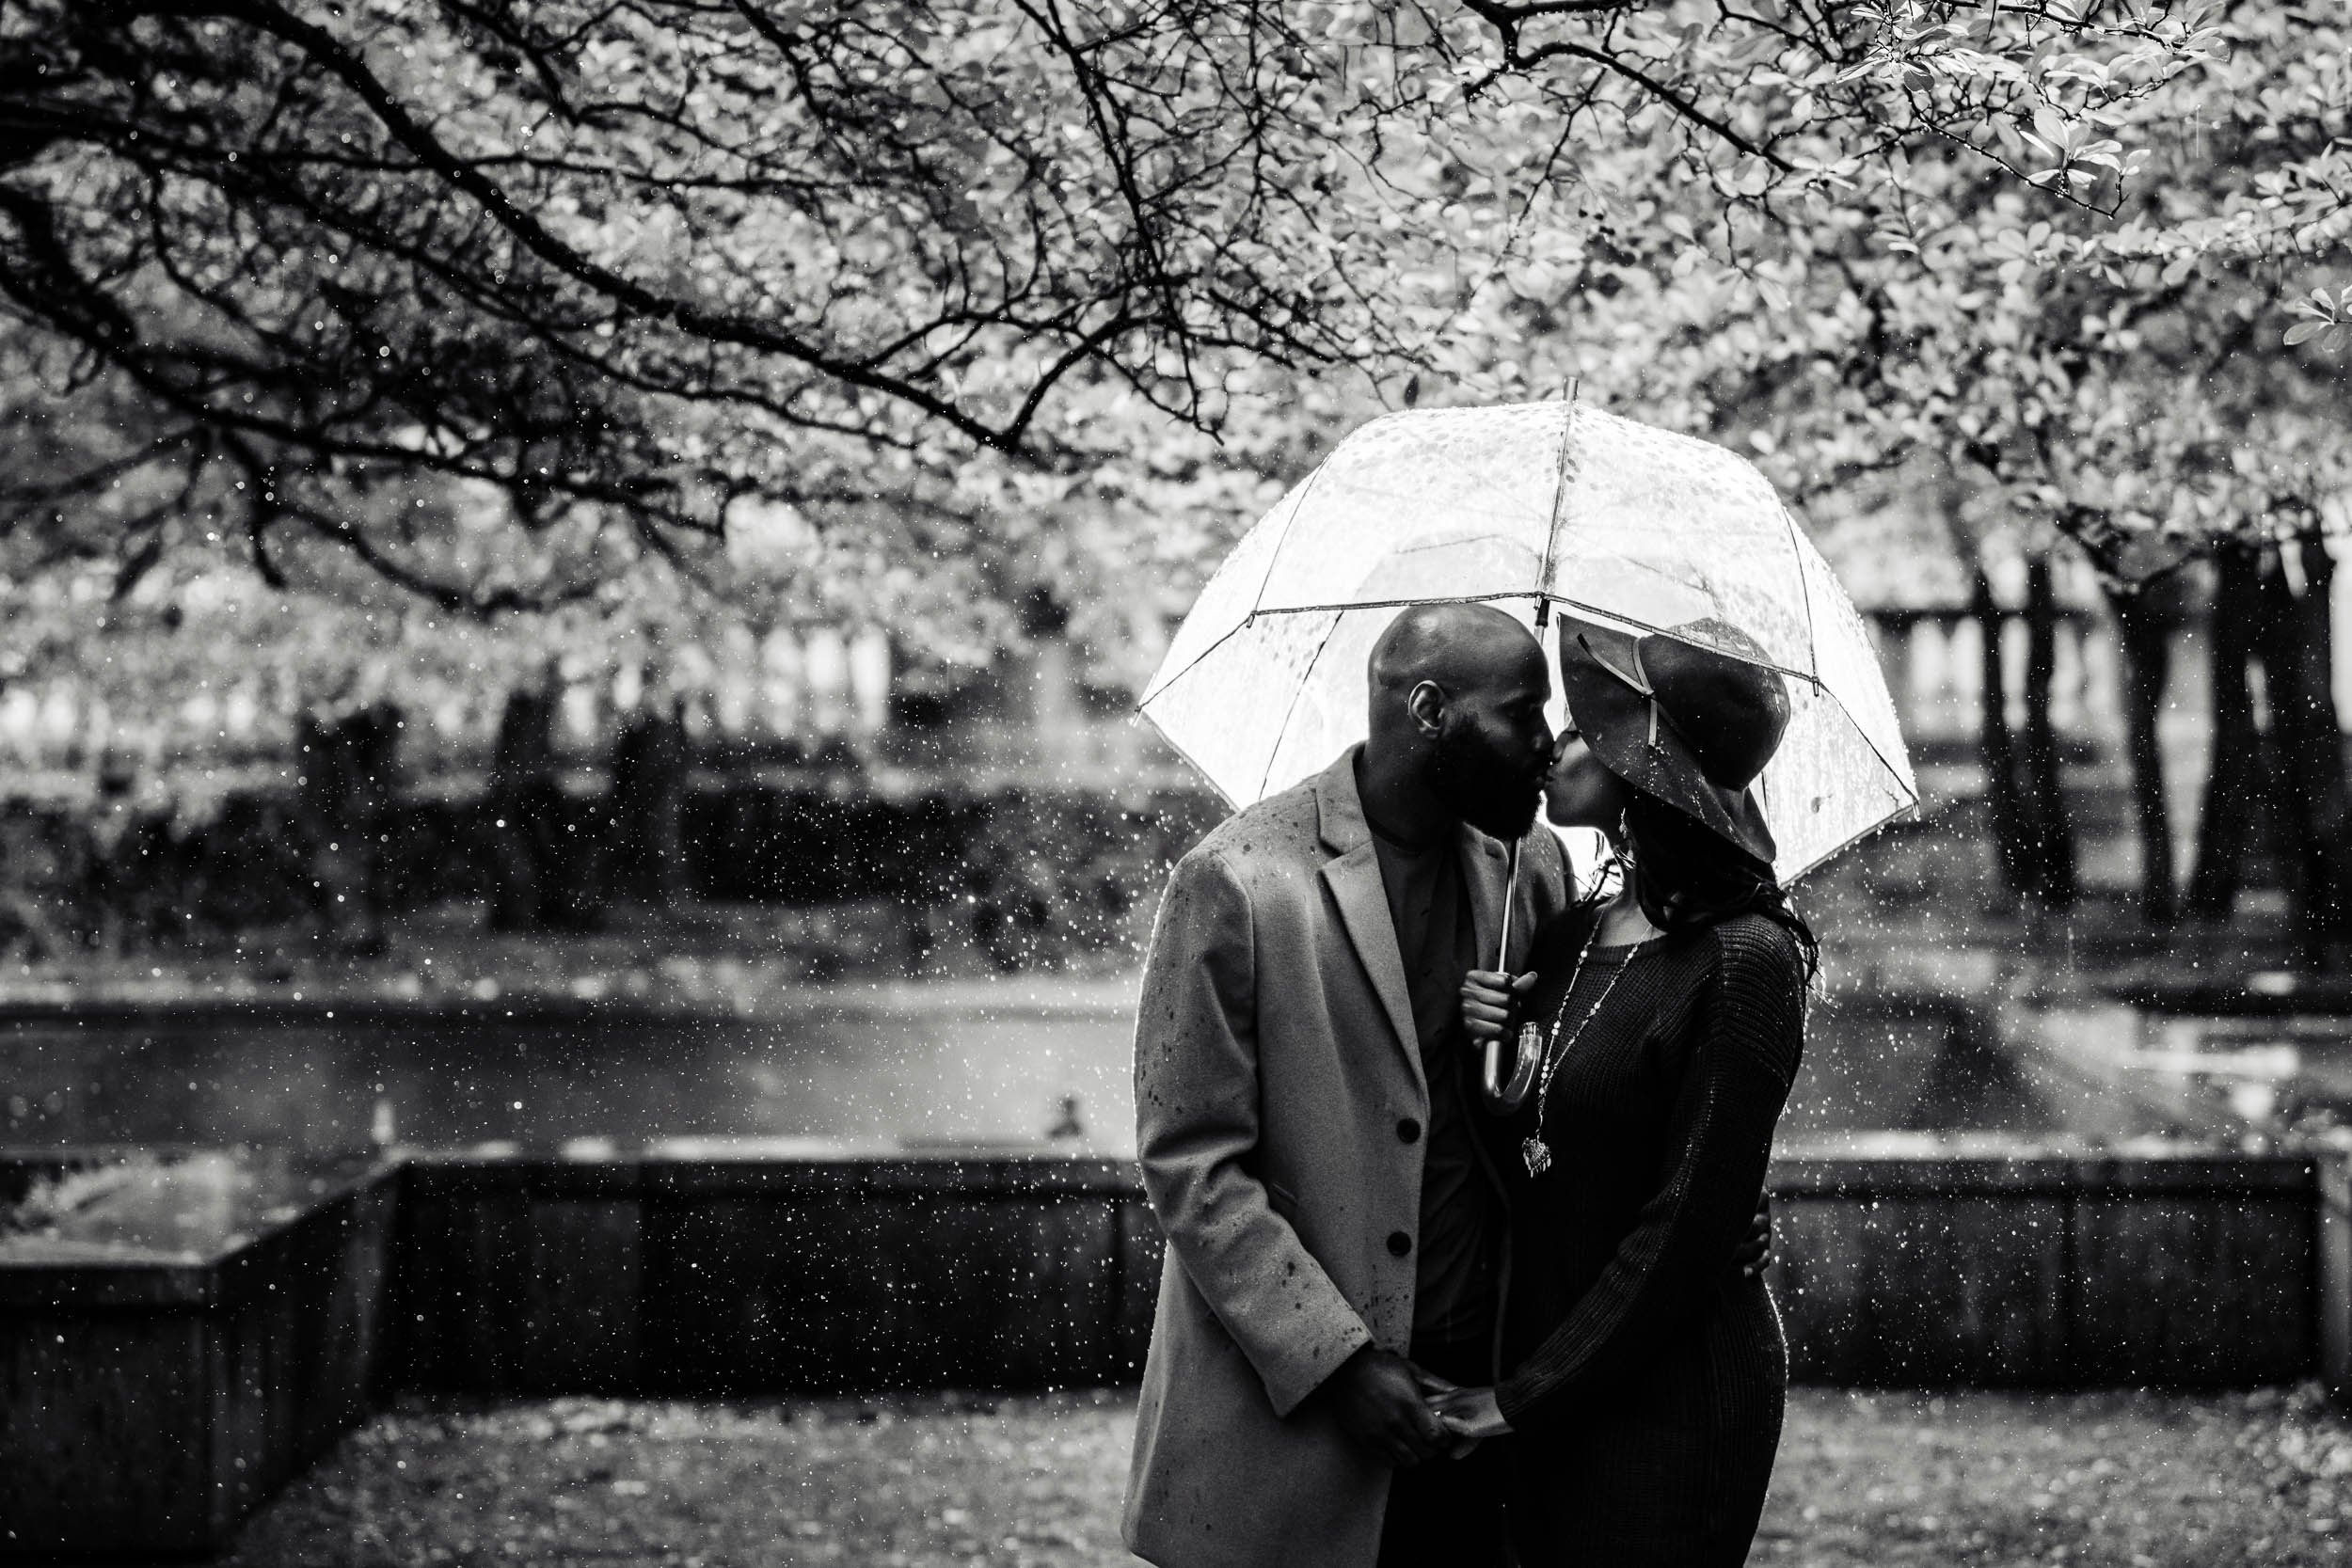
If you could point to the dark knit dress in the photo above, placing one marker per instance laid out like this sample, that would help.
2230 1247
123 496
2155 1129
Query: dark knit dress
1647 1376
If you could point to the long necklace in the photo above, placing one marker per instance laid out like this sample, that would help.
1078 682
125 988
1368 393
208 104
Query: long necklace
1533 1148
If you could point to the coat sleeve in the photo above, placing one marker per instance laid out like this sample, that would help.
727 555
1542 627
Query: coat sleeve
1197 1096
1750 1030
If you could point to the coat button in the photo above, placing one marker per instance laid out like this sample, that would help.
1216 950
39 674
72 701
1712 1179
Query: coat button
1408 1132
1399 1244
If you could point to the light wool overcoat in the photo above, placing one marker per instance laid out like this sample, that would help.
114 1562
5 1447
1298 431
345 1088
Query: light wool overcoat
1279 1104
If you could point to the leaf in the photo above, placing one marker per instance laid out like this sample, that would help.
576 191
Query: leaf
2303 332
1412 390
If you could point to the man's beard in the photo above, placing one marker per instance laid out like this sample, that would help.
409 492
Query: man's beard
1481 787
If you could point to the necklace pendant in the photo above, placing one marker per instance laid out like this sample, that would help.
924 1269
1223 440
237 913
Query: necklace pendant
1538 1154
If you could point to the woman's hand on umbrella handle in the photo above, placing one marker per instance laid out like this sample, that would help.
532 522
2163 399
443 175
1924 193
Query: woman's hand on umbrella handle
1488 997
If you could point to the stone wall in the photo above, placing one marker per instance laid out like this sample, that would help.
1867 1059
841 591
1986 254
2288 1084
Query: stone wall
540 1276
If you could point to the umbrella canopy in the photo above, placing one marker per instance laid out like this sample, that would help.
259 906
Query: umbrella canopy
1526 506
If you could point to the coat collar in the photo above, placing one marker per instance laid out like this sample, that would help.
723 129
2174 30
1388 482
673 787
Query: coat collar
1354 877
1486 876
1339 810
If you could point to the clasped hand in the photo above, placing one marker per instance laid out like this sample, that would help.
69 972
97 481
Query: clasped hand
1406 1414
1474 1415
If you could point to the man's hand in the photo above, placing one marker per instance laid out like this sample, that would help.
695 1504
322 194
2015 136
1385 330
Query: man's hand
1487 998
1755 1252
1377 1396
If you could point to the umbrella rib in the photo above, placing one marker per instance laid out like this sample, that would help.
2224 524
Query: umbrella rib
1344 605
1849 842
1910 787
1341 608
1283 729
1909 790
1160 686
1797 544
1274 555
1306 492
1559 497
1624 620
1178 747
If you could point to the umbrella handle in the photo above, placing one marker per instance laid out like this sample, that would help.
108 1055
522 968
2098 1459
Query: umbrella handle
1510 893
1493 1074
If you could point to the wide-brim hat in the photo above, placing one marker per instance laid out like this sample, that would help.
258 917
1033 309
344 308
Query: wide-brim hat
1679 721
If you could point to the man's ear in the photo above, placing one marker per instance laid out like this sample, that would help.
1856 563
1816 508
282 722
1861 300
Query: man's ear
1425 703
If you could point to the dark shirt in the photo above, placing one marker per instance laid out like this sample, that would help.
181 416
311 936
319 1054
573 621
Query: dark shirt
1454 1288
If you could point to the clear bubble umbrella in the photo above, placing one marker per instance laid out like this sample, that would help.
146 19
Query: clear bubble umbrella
1527 507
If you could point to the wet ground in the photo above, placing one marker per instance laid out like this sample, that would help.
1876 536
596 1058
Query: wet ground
2129 1479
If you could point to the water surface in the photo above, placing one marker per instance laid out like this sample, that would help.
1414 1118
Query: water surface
1024 1061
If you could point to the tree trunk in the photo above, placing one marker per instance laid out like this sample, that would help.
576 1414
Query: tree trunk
344 798
522 806
2293 641
2233 796
2048 819
2004 809
650 761
2146 638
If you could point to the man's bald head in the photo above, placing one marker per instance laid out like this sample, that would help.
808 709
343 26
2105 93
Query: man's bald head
1456 645
1458 716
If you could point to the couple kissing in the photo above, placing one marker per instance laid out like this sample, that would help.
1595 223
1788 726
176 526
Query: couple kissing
1463 1250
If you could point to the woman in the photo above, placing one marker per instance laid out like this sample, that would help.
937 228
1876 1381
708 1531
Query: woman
1660 1030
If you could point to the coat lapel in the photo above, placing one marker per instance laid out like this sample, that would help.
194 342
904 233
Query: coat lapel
1353 878
1486 875
1487 882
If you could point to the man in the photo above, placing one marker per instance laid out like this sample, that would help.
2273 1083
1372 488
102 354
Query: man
1304 1104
